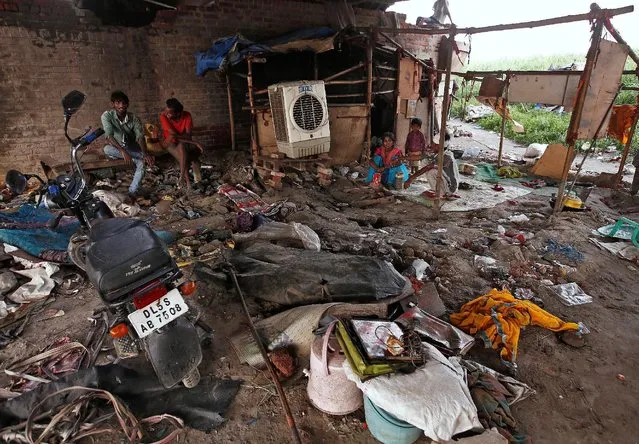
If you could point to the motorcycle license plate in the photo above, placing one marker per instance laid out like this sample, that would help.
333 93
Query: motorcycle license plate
158 314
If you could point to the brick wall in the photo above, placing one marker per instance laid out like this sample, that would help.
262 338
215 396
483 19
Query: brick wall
49 47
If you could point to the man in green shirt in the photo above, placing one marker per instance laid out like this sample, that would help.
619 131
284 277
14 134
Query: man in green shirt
125 138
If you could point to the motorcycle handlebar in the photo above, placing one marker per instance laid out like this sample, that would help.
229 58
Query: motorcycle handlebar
89 138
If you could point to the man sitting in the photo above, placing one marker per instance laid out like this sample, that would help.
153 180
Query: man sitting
177 126
125 138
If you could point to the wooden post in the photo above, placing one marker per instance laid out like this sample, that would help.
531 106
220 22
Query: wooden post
599 14
369 95
254 148
575 118
626 149
442 128
231 117
503 120
397 82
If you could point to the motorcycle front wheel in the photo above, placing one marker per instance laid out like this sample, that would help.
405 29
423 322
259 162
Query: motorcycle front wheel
77 249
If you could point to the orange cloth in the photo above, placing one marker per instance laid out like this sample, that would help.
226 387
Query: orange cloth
621 121
498 317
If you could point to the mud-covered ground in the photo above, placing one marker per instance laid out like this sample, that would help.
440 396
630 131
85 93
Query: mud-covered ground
580 397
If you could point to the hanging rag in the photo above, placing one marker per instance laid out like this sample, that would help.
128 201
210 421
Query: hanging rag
498 317
621 122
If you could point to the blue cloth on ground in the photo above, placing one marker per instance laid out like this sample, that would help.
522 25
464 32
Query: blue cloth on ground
27 230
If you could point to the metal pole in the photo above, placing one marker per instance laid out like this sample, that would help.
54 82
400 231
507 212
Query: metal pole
258 340
626 149
254 147
231 117
442 127
503 121
575 118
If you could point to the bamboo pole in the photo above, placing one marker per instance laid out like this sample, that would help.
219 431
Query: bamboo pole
369 96
231 117
593 14
503 121
345 82
442 129
249 79
346 71
615 34
593 141
626 150
575 118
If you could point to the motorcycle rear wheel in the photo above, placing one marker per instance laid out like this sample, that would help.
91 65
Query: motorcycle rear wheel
192 378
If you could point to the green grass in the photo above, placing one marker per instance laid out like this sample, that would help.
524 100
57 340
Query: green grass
540 126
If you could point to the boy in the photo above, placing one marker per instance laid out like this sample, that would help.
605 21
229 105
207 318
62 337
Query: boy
415 144
177 126
125 138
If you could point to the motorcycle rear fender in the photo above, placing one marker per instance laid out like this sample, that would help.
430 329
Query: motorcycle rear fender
174 351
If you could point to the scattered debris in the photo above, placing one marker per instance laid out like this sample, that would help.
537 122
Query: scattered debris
571 294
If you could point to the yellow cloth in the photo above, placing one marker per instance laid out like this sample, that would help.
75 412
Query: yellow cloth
151 140
498 318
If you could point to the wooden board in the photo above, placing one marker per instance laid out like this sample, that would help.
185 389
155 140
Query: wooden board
348 132
409 75
266 133
551 163
604 84
556 89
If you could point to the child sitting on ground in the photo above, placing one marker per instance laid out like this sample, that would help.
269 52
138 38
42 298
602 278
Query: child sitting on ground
415 144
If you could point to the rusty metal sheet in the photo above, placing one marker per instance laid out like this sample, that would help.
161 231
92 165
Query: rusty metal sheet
604 83
348 132
555 89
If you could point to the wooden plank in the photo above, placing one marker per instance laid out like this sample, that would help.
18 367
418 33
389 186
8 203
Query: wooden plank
348 132
604 84
266 132
557 89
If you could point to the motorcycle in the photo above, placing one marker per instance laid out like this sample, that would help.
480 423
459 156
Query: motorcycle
129 266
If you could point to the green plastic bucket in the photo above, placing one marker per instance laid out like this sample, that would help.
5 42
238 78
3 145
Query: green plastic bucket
388 429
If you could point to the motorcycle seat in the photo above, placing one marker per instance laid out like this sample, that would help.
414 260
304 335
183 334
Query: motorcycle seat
124 254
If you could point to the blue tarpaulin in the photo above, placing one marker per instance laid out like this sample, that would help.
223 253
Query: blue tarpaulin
231 50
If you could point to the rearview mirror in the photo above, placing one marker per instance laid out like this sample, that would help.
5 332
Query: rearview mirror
16 181
72 102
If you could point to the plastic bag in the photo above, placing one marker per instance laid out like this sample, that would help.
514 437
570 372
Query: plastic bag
291 234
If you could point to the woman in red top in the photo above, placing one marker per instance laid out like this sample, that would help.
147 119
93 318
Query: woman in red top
177 126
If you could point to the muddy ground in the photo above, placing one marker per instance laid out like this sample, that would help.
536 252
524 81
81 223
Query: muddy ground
580 397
